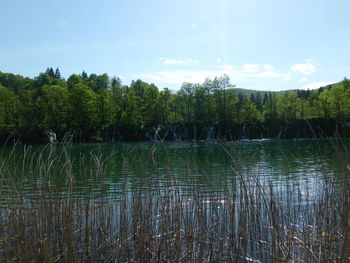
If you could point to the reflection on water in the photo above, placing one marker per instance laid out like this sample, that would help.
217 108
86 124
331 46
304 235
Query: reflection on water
102 171
251 201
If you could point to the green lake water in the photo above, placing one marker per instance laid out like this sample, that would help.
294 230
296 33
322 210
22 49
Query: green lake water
104 171
247 201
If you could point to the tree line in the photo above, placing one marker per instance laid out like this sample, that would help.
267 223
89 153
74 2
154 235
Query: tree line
95 107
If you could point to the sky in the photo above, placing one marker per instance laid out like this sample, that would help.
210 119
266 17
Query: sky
260 44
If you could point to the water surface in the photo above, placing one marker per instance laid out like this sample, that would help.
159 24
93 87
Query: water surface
103 171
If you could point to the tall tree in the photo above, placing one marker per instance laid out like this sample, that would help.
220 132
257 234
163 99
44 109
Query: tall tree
164 105
83 109
209 89
8 110
54 106
98 82
270 107
50 72
247 113
117 97
186 93
287 105
84 75
224 84
57 74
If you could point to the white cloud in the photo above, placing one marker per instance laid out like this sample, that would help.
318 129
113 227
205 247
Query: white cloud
194 25
306 69
171 61
268 67
219 60
250 68
302 80
228 68
316 85
287 77
242 73
179 76
261 71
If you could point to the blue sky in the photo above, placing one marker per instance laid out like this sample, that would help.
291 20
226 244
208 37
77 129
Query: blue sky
260 44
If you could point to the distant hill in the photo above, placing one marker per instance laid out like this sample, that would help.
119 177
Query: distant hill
259 95
249 92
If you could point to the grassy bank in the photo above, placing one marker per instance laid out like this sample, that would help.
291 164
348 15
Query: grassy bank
251 220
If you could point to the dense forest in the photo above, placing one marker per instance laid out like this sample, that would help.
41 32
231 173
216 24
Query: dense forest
97 108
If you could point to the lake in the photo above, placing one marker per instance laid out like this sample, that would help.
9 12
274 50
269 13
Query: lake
191 201
205 166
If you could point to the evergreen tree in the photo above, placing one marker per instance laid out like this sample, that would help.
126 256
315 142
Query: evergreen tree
258 101
57 74
265 98
252 98
84 75
50 72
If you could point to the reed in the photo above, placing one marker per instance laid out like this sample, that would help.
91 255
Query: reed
251 220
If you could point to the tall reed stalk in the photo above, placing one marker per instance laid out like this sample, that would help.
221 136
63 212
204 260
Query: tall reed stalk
252 220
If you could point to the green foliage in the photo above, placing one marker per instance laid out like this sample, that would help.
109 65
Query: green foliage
338 98
199 104
76 79
54 106
95 104
270 107
185 102
83 108
8 110
287 106
164 106
248 112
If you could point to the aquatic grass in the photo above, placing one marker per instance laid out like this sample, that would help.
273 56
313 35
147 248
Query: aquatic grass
251 220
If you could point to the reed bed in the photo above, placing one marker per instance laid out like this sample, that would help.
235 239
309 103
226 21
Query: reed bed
251 220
